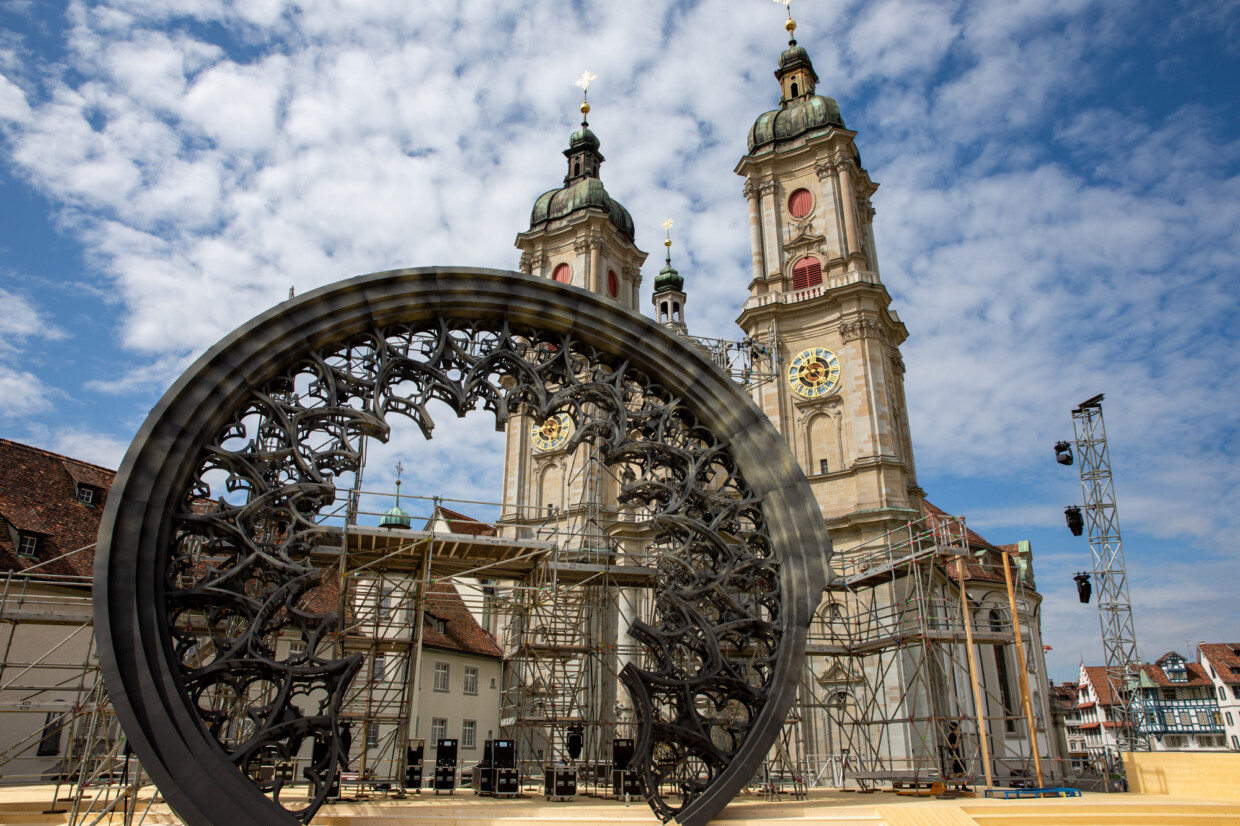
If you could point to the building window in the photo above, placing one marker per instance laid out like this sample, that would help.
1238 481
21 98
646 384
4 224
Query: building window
471 679
385 602
296 649
434 622
49 743
800 203
1229 722
378 669
439 730
443 673
1222 695
1235 742
372 735
563 274
86 494
824 466
806 273
469 734
613 284
492 682
27 544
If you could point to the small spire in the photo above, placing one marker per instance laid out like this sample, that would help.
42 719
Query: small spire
400 468
584 83
667 225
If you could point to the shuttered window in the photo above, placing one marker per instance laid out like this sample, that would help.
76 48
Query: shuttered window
806 273
800 203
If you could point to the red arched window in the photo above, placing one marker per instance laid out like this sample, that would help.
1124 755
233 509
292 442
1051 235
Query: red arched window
806 273
613 284
563 274
800 203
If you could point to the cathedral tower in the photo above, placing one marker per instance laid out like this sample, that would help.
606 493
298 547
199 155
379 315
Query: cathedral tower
839 400
578 233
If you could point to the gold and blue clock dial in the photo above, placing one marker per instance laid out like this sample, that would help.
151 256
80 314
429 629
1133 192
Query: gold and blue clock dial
814 373
552 433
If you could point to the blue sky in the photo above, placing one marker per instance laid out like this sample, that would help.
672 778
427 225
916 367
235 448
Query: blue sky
1058 218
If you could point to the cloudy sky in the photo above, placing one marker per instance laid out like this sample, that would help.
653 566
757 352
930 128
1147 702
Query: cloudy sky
1058 218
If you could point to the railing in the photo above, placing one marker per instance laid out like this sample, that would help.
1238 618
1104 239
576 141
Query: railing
831 283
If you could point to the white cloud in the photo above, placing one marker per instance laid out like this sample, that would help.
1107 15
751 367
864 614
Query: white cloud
22 394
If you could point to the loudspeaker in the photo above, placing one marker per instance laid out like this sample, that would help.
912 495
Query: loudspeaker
413 764
621 753
576 742
504 754
445 753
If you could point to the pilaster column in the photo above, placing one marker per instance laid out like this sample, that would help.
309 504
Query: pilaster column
770 233
752 194
596 278
844 170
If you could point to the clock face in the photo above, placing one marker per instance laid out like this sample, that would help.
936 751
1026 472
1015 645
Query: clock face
814 373
552 433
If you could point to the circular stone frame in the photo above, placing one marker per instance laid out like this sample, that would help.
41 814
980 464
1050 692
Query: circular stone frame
135 644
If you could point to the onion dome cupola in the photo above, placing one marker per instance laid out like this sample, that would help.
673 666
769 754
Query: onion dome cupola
582 188
800 110
669 291
395 517
578 233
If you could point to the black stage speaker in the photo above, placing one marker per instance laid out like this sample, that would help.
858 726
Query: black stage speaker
621 753
504 754
560 783
445 752
413 764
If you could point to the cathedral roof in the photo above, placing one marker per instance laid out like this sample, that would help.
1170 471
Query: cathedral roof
585 193
795 118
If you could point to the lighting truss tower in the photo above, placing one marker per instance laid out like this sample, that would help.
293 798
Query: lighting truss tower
1119 636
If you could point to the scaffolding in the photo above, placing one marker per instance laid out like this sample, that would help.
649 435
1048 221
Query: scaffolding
59 728
894 689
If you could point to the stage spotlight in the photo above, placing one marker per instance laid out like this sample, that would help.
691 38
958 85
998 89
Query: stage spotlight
1063 453
1083 588
576 741
1075 523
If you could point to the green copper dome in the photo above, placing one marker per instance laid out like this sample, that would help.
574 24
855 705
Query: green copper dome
797 117
585 193
669 279
583 138
395 518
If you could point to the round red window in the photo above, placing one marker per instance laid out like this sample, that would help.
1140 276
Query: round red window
613 284
563 274
800 203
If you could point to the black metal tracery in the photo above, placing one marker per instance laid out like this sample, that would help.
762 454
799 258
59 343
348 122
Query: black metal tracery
250 474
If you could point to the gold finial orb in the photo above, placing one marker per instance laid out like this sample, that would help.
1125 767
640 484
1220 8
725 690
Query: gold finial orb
585 108
791 25
668 242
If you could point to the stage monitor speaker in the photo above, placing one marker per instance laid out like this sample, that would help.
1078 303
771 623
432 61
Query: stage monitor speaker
504 754
445 752
621 753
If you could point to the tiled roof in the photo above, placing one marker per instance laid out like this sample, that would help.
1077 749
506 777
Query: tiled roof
1097 675
1196 676
38 494
462 524
1224 657
1062 697
461 631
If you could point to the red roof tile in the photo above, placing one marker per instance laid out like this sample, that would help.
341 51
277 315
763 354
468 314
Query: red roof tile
1196 674
1097 675
1224 657
461 632
460 523
38 494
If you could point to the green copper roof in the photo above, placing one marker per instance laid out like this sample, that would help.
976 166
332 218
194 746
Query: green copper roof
395 518
669 279
797 117
583 138
587 193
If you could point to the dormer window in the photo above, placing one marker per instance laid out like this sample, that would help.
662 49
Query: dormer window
28 545
435 623
86 494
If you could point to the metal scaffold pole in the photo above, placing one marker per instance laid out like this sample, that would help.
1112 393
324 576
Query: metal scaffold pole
1119 636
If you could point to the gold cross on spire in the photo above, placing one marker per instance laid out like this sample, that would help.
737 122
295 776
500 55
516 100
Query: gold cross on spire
791 25
583 83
